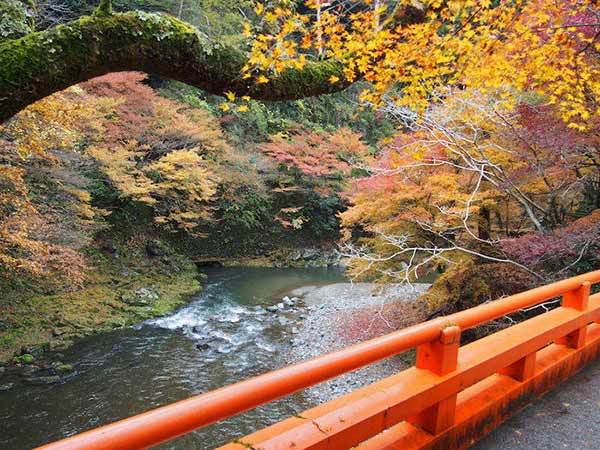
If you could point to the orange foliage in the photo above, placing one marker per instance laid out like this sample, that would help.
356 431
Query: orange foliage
318 154
160 153
321 162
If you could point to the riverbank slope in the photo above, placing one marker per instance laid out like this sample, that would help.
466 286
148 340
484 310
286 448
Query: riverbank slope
118 292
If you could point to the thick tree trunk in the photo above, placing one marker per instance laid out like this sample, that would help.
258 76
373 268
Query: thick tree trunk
42 63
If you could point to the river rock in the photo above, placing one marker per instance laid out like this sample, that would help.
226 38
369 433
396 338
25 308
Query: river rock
310 253
6 387
35 351
60 345
273 308
283 320
288 301
63 368
205 342
141 297
156 248
42 380
29 370
147 293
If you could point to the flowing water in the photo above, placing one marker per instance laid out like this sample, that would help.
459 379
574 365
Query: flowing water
224 335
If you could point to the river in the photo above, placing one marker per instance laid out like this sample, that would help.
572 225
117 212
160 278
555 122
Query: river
224 335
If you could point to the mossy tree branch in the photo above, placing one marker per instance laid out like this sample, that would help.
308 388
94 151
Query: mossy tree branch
42 63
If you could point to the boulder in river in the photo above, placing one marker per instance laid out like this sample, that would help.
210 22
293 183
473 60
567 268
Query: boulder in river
29 370
63 368
310 253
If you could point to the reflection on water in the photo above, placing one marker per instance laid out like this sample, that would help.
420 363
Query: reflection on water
224 335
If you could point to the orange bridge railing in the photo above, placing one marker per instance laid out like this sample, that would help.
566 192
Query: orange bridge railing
451 397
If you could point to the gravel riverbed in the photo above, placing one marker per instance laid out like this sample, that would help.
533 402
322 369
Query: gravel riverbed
368 310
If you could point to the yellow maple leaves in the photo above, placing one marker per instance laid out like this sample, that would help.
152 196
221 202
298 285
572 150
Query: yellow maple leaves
230 104
544 47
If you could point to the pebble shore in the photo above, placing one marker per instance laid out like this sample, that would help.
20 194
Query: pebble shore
327 309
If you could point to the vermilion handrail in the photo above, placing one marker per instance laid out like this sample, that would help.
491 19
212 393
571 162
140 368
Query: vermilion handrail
168 422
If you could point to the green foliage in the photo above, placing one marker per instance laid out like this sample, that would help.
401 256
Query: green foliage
105 8
324 113
332 111
24 359
15 19
323 212
249 212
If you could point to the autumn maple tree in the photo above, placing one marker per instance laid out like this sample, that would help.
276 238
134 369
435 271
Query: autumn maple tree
27 227
144 149
310 161
474 176
156 153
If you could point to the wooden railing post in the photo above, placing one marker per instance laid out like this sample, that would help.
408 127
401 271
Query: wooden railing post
577 299
441 358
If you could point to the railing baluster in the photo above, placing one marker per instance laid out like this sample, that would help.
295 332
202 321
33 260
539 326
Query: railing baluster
523 369
441 358
577 299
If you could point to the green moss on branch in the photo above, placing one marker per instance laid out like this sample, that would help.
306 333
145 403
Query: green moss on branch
15 20
104 9
42 63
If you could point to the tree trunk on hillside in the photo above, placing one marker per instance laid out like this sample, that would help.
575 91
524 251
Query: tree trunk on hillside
484 223
42 63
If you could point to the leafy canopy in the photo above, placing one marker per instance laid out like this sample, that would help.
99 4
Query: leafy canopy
408 50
